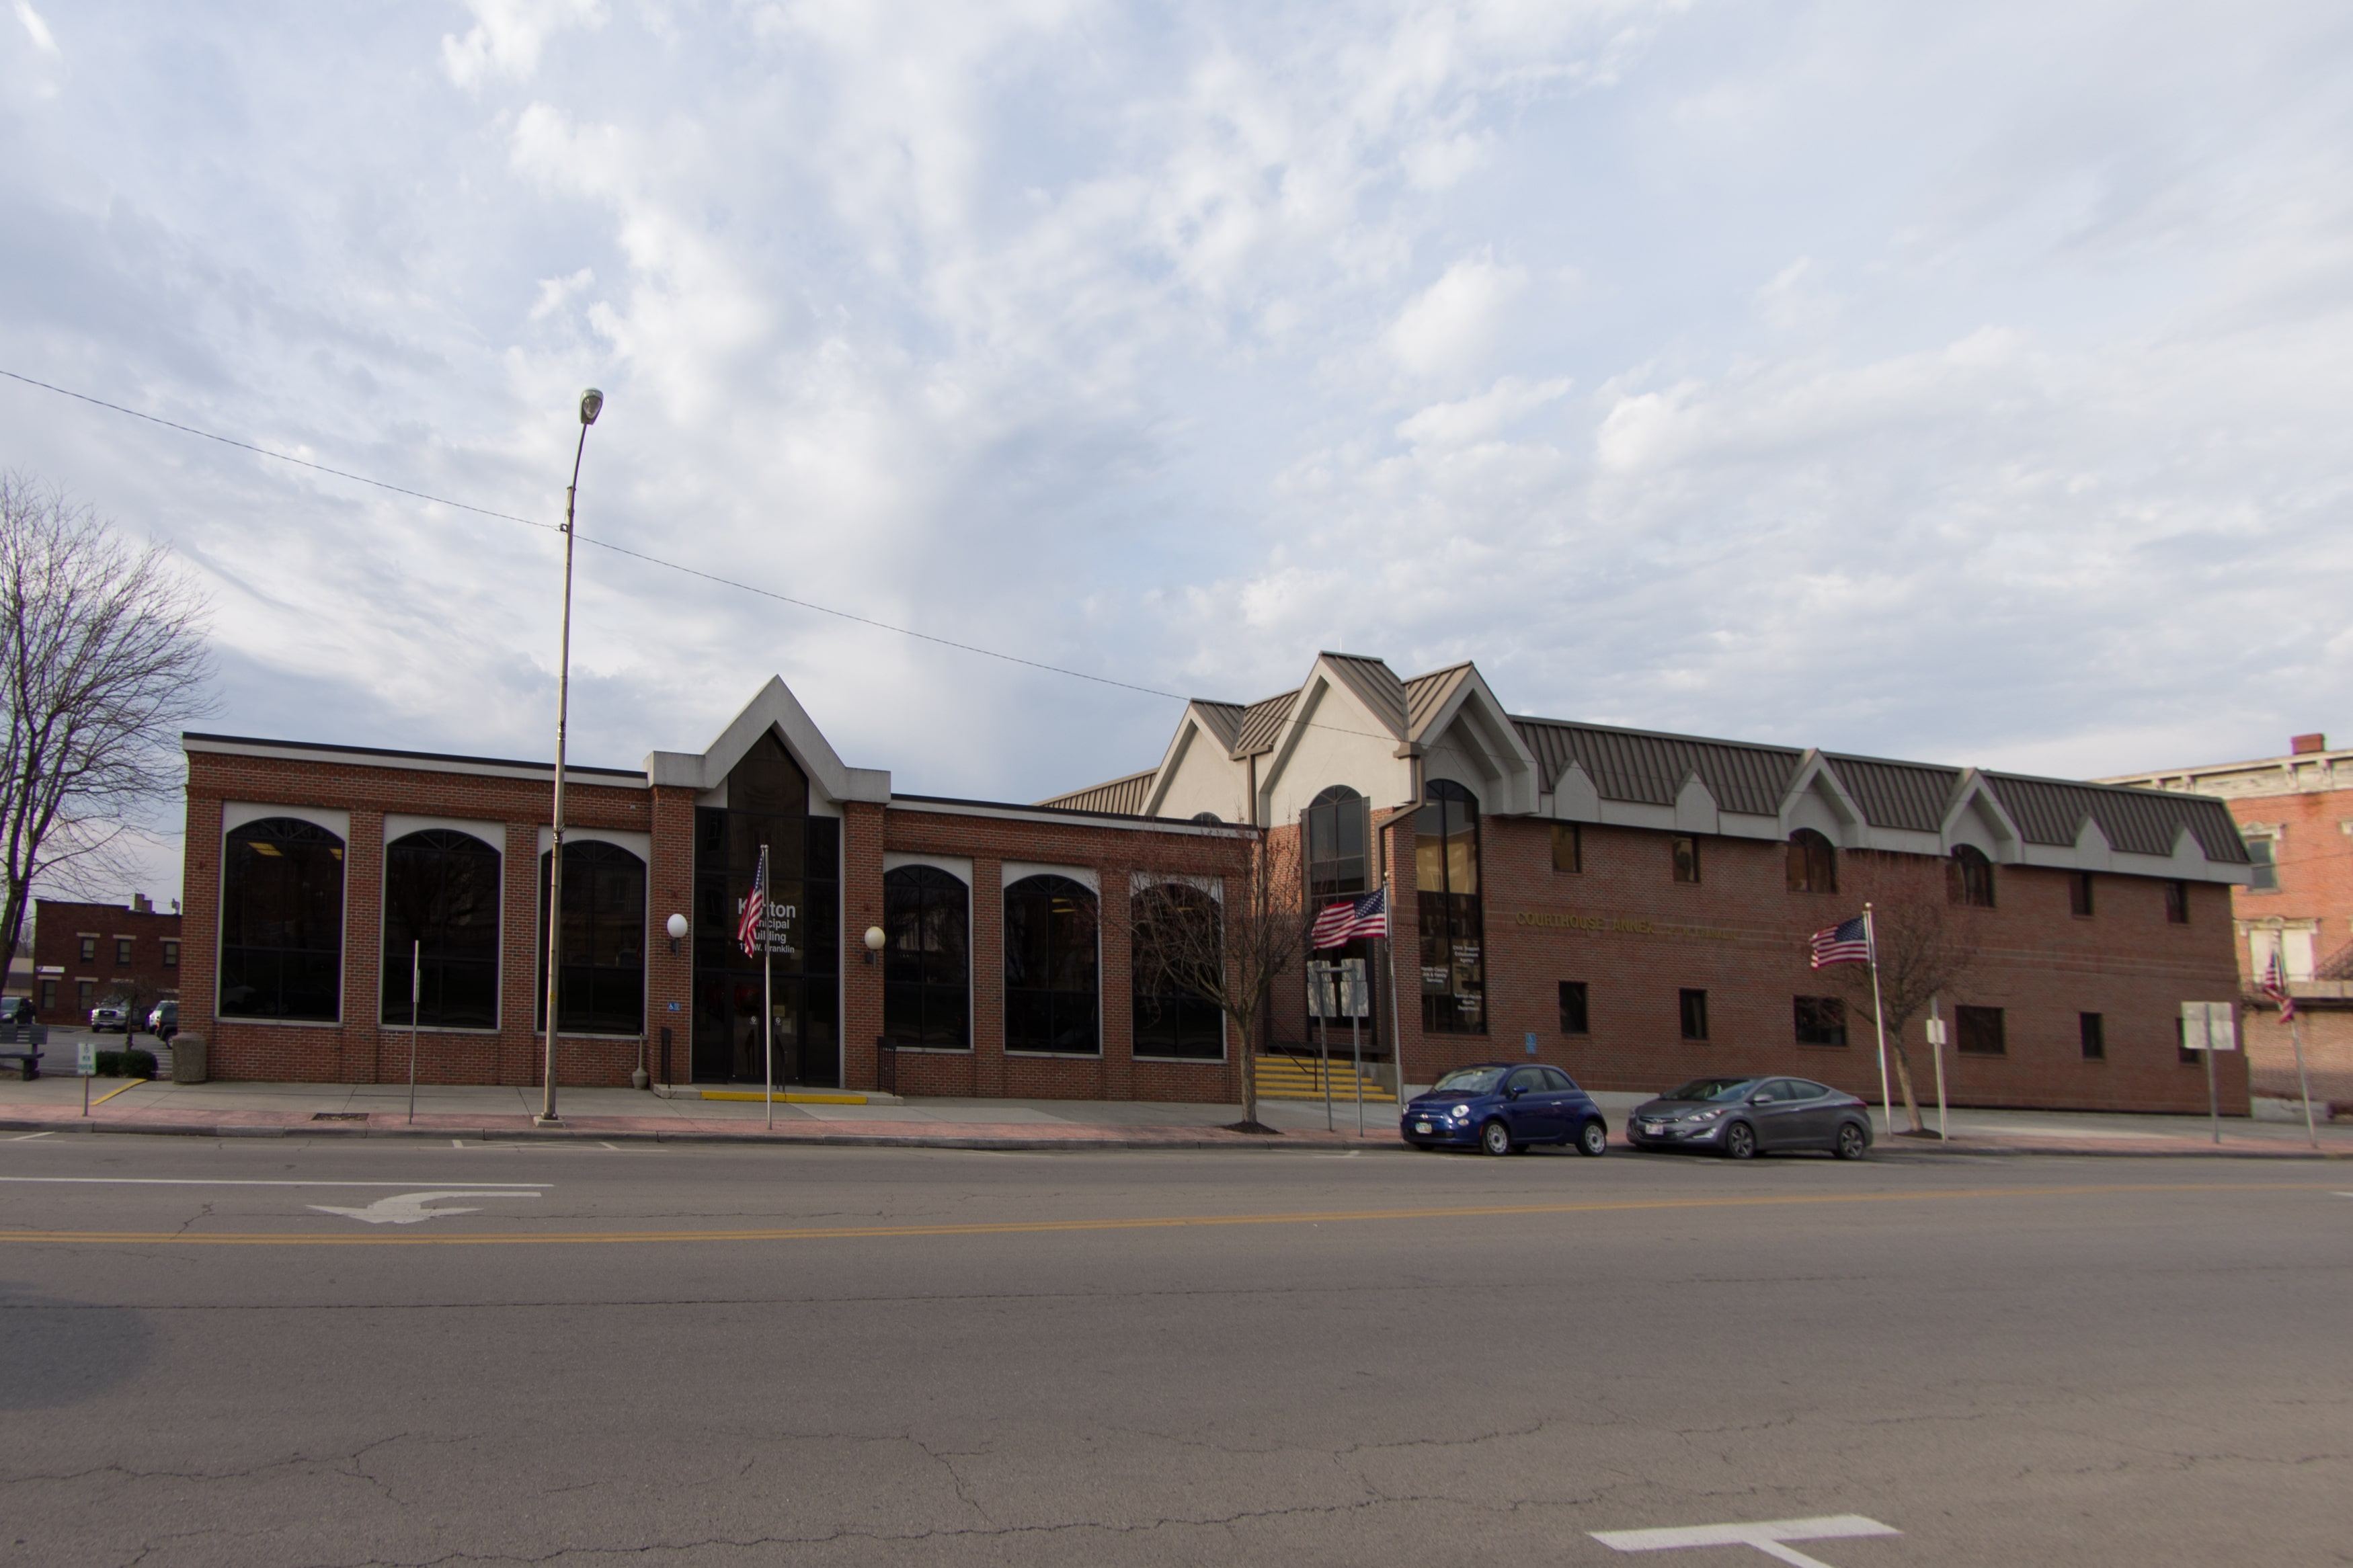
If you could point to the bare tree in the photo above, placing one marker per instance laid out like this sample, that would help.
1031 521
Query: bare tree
104 661
1234 952
1925 946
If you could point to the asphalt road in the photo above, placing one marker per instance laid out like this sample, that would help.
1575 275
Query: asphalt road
705 1356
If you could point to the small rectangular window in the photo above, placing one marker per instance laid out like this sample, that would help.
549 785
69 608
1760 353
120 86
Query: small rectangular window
89 949
2093 1031
121 951
2079 894
1981 1032
2176 903
1687 850
1822 1021
171 954
1567 847
1572 1008
49 995
1695 1008
2263 856
82 990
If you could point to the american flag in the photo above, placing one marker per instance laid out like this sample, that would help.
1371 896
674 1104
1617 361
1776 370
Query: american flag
1849 941
2275 987
1342 922
755 904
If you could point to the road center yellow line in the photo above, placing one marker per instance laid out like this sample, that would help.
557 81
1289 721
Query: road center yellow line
1171 1222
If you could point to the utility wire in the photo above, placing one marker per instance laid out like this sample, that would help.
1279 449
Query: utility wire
633 554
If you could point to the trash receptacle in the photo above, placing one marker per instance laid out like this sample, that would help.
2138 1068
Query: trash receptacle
187 1058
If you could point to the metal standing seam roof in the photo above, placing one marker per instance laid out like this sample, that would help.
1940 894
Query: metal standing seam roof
1639 765
1124 796
2136 821
1913 796
1375 685
1426 694
1223 720
1260 722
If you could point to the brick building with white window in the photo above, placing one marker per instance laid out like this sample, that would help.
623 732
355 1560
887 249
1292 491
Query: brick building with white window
2295 813
1632 907
86 954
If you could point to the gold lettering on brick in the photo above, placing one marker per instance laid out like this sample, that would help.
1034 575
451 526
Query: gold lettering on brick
1628 927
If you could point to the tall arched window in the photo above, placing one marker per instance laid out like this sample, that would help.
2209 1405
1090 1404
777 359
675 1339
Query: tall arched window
1813 863
283 922
1175 939
1334 828
441 910
1968 878
926 959
1453 921
1050 971
604 982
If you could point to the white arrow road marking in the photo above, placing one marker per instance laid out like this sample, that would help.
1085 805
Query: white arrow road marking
1767 1535
408 1208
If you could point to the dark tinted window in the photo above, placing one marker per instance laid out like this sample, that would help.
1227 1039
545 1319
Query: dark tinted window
1556 1079
2079 893
1694 1015
1453 920
602 990
1807 1088
1334 829
1177 932
1573 1020
1813 863
441 919
283 922
926 958
1685 851
1969 878
1979 1031
1710 1088
2176 903
2093 1030
1567 847
1050 967
1822 1021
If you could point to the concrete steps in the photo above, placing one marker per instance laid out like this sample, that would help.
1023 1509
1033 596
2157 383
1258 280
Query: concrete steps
1289 1077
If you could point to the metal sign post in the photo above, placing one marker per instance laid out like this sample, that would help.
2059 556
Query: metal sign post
416 990
86 1063
2207 1028
1937 1048
1319 984
1360 1002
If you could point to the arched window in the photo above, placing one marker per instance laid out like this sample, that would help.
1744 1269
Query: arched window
604 983
926 960
1051 985
1813 863
1175 941
1333 828
1453 921
283 922
1207 818
1969 878
441 910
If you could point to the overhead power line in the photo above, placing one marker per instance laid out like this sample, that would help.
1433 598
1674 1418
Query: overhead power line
633 554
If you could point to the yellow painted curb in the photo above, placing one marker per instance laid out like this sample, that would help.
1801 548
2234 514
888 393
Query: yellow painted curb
111 1093
786 1099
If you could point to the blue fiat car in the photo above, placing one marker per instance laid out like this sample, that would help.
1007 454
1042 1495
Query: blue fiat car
1500 1109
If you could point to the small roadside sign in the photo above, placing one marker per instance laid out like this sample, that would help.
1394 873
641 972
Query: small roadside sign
2209 1026
86 1059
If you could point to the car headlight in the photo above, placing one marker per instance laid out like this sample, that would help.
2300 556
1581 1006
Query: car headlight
1704 1115
1460 1110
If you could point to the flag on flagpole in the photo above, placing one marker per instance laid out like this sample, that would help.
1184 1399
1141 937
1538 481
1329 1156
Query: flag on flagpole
755 905
1347 919
1849 941
2275 986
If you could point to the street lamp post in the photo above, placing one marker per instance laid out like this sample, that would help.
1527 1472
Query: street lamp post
592 402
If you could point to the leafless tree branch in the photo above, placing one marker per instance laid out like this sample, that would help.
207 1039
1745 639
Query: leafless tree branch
1925 945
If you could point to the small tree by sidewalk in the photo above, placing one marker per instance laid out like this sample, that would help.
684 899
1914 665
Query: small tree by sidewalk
1233 952
1925 945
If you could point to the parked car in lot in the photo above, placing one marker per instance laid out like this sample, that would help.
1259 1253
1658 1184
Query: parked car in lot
1744 1117
1502 1108
165 1021
110 1016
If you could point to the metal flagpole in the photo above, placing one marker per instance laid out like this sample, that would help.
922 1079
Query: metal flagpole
415 985
1357 1005
1878 1015
2295 1025
767 1004
2213 1098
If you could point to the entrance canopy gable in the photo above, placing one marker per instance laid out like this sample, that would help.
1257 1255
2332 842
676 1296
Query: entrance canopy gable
773 710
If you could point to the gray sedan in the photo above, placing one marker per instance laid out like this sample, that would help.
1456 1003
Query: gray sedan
1744 1117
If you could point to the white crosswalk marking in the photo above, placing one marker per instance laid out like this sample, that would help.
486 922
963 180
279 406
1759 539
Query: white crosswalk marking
1770 1536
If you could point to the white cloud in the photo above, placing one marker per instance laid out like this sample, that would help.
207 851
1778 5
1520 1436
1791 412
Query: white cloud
36 29
508 36
1451 327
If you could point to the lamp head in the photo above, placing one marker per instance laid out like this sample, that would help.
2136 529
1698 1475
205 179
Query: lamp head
677 927
874 939
592 404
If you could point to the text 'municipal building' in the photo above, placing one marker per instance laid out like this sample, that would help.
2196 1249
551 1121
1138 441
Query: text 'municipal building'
1633 907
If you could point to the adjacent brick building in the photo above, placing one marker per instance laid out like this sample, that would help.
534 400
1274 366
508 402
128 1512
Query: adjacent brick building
2295 813
86 954
1633 907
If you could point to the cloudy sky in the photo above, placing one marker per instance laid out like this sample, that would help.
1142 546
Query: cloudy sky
1962 381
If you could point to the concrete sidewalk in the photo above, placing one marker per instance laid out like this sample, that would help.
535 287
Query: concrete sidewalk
473 1112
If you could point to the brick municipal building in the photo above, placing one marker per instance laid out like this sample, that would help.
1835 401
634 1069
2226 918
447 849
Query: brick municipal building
1630 905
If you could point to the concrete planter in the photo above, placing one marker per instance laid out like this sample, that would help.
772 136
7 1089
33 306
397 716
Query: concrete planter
187 1058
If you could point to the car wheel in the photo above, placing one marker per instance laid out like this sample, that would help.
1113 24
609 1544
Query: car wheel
1495 1139
1592 1140
1851 1142
1740 1140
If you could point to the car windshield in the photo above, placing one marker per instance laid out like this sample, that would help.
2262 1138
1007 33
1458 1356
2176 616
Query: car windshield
1470 1081
1710 1088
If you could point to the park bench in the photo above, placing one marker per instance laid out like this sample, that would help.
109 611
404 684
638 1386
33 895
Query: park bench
21 1044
